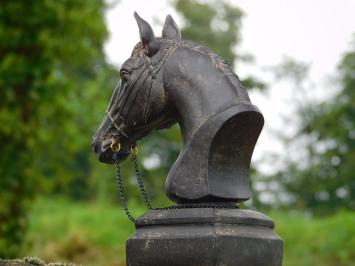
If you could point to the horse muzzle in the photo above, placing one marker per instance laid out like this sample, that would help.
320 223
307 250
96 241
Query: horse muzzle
108 148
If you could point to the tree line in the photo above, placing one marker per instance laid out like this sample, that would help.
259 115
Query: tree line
54 87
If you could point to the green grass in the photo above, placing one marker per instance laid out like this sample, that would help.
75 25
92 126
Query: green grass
327 241
94 234
83 233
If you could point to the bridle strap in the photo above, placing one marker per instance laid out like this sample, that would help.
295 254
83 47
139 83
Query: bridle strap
119 129
129 90
128 99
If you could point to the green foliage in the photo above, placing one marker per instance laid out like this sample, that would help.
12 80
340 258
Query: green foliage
51 62
94 234
326 181
91 239
55 86
316 241
217 25
54 89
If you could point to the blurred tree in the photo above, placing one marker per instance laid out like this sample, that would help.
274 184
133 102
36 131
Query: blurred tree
52 62
269 190
323 180
216 24
54 88
328 181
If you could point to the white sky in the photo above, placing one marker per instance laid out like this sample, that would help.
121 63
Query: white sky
311 31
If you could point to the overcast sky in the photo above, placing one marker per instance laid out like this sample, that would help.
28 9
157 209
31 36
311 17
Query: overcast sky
316 32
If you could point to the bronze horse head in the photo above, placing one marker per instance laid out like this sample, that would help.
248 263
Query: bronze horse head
168 80
140 103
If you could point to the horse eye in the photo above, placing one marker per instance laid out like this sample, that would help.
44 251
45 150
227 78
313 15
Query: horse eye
124 74
124 77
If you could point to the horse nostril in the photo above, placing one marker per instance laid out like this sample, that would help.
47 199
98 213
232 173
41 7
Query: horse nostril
106 144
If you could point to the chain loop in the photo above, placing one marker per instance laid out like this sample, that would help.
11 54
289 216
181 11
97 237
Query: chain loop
140 181
121 188
213 205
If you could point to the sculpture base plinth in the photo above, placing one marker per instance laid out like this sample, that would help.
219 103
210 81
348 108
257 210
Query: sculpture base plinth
205 237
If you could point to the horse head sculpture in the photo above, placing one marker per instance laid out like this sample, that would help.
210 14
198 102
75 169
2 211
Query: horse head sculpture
168 80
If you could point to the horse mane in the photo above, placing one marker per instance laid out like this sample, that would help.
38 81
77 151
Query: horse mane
219 62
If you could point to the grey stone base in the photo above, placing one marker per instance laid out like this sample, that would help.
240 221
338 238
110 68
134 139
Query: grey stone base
204 237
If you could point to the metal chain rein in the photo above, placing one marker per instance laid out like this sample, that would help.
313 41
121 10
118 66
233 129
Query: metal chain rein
140 181
121 189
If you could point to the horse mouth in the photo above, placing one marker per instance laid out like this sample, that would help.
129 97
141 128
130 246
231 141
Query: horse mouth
111 151
108 156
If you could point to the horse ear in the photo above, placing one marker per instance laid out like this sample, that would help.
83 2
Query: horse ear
170 29
150 43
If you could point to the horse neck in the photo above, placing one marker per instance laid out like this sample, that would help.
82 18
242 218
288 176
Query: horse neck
194 109
199 90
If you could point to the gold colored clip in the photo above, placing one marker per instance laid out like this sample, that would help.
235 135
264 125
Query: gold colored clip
134 150
115 146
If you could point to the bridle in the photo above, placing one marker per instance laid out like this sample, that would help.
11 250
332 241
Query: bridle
151 69
123 99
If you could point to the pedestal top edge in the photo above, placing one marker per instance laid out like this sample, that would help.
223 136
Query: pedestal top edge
204 216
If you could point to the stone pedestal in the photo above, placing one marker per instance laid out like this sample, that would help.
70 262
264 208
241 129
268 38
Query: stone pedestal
204 237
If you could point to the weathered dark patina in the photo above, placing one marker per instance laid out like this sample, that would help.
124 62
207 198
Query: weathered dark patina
168 80
204 237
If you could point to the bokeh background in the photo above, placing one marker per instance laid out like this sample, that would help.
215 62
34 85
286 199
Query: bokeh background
59 63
